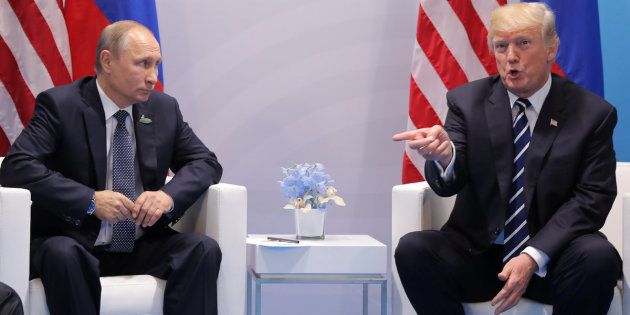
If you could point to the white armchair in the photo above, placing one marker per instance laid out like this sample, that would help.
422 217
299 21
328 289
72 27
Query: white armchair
416 207
220 213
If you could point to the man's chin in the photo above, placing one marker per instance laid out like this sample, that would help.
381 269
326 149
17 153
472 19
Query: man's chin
517 88
143 97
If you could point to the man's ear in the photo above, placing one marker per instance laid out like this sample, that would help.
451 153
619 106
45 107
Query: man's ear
552 52
106 58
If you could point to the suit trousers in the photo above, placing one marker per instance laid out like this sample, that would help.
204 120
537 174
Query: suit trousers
10 303
438 274
189 262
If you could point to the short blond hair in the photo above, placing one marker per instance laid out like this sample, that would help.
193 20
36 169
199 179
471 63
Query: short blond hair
519 16
114 38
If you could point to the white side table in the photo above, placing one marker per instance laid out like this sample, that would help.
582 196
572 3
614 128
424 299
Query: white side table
338 259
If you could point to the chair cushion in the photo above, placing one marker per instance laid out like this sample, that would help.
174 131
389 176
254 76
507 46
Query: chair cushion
527 306
141 294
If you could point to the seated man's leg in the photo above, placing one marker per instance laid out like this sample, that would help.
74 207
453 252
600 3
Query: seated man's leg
438 275
189 263
582 280
10 303
69 274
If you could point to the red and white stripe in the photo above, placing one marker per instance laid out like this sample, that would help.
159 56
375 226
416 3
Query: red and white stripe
451 49
35 56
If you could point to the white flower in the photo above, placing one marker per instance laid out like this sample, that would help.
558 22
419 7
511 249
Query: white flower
331 194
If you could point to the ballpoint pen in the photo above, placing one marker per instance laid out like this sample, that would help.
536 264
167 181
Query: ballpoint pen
280 239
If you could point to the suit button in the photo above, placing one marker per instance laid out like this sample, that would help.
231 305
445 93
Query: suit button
496 231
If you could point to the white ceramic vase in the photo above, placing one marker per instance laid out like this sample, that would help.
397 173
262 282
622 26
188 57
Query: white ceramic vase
310 225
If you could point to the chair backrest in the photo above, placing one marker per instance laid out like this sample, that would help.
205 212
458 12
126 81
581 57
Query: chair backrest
613 227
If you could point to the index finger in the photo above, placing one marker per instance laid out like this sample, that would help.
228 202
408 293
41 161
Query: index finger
499 297
127 205
509 302
410 135
137 207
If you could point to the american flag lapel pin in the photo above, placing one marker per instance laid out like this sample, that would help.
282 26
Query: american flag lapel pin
553 123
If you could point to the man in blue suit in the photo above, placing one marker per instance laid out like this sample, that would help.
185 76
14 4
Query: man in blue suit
530 156
95 157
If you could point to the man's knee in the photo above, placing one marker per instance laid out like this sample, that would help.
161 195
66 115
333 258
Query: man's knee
599 258
412 247
7 291
592 258
205 247
59 250
10 302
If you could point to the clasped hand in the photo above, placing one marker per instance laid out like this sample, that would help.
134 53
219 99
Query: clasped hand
113 207
432 143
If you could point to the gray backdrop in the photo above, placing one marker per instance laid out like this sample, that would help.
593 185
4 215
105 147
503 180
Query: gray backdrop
270 83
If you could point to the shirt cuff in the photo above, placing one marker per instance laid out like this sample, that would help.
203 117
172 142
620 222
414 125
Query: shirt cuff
447 174
169 213
540 258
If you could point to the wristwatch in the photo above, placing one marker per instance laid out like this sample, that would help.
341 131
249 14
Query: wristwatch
92 206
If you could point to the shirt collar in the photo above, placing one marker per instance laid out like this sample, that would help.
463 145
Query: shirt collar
537 99
109 107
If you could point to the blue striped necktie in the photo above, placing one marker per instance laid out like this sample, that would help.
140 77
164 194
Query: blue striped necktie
124 182
516 231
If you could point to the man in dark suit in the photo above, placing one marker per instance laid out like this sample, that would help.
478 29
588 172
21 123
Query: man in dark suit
95 157
530 157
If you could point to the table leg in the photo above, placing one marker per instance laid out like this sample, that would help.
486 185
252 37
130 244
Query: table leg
384 298
258 301
365 299
249 293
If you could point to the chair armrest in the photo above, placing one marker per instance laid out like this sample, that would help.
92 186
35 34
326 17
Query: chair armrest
415 207
407 201
221 213
15 239
625 255
407 210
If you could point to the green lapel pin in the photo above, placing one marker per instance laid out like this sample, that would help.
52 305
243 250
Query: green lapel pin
145 120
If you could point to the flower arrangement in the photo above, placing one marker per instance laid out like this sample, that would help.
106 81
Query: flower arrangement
307 187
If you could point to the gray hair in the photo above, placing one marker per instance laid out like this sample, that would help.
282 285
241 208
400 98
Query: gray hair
114 38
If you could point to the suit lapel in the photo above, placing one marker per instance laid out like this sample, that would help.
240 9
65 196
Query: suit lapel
499 120
144 125
94 120
550 120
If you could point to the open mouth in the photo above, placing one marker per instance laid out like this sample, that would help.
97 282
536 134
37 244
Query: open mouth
513 73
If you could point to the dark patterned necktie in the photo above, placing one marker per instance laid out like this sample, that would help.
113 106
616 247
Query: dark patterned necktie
516 231
124 182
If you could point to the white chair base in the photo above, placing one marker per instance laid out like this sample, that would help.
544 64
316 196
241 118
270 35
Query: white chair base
142 294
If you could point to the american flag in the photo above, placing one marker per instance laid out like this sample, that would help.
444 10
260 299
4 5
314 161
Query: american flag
46 43
35 56
451 49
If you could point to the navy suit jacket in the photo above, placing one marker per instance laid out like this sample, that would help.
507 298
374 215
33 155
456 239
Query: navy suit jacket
569 171
60 157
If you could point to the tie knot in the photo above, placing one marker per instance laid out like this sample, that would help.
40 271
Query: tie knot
523 103
121 115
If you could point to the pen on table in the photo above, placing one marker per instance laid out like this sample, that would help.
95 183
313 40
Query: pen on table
279 239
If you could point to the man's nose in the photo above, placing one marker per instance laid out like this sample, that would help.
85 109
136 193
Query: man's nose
512 54
152 75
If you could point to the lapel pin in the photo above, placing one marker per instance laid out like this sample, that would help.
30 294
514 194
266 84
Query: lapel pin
145 120
553 122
